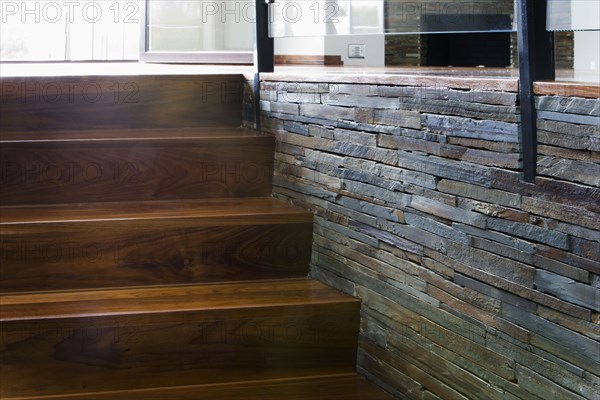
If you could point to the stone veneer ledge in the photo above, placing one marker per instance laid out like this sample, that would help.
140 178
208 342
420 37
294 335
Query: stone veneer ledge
474 284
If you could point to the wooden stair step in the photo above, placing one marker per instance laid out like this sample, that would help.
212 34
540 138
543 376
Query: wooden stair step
97 245
93 341
128 165
338 387
114 102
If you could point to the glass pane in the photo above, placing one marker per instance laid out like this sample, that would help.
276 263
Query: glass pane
347 17
46 30
195 26
573 15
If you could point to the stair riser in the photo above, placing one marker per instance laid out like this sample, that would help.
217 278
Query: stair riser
82 355
71 172
108 102
83 255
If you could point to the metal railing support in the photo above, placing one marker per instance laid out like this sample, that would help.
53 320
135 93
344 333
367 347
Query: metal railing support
536 62
263 53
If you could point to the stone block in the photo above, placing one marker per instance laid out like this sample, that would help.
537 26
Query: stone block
496 131
462 109
506 285
571 346
544 367
502 250
359 164
351 233
501 295
384 156
531 232
560 268
498 147
542 387
561 152
304 188
568 105
562 212
568 289
320 157
472 351
364 115
408 176
587 328
327 112
507 240
398 118
284 108
290 149
370 127
443 168
353 215
415 235
408 144
353 89
571 170
349 100
320 132
479 193
436 228
320 179
362 138
510 270
447 212
296 127
570 118
570 259
485 97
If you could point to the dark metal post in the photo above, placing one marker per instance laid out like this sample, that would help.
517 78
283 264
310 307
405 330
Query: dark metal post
536 62
263 53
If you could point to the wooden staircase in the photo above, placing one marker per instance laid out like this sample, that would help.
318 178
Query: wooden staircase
143 257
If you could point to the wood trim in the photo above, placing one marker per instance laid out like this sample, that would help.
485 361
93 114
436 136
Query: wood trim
289 59
567 89
199 57
508 84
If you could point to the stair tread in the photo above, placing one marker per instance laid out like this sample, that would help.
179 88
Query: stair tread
175 298
337 387
138 135
207 209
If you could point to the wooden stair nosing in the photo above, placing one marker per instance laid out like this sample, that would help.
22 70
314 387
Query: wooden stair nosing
173 298
242 210
139 135
334 387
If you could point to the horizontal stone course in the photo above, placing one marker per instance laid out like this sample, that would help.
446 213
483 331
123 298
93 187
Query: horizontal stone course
474 283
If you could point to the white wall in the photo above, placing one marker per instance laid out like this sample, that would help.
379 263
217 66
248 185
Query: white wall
587 56
304 46
374 49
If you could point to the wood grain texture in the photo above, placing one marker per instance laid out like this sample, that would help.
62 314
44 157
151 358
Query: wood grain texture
567 89
130 244
105 102
142 338
458 78
337 387
293 59
140 165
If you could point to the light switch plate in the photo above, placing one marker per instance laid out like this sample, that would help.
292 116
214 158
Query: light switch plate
356 51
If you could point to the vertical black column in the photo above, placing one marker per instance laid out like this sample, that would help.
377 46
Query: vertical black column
263 53
536 62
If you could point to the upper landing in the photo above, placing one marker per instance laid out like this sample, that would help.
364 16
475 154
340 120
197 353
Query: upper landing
505 79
